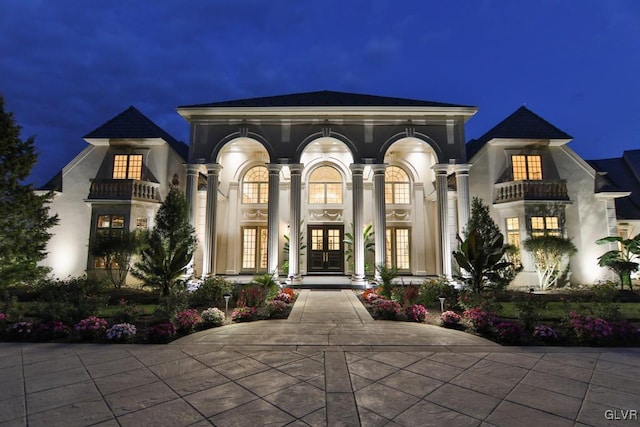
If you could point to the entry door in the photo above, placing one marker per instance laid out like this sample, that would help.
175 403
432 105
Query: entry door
326 254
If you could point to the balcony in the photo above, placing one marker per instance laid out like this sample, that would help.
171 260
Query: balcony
124 189
548 189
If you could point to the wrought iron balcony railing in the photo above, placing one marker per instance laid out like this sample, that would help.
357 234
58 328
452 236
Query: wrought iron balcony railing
547 189
124 189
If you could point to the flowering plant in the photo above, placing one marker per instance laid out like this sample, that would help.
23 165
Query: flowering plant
3 317
545 333
52 329
162 332
479 319
509 332
21 330
290 292
121 332
385 309
213 317
276 308
283 297
370 295
623 332
91 327
244 314
588 329
450 318
416 313
187 320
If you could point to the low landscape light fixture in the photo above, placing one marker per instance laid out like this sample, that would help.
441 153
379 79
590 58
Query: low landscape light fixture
226 304
441 303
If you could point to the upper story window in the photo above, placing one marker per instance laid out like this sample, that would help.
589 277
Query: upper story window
325 185
526 167
545 226
127 166
255 186
396 186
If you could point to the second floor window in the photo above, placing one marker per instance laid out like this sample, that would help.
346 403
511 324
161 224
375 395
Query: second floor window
527 167
396 186
255 186
545 226
325 185
127 166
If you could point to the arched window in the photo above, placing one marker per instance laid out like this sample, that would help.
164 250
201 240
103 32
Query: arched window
396 186
255 185
325 186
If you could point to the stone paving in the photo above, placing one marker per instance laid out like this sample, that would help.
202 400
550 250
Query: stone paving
328 364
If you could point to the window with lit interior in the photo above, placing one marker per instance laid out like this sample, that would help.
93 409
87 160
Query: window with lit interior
545 226
108 226
255 185
325 186
127 166
396 186
397 248
526 167
254 249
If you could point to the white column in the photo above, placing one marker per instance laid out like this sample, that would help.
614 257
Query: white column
443 221
294 226
234 239
192 191
273 225
462 185
209 261
379 216
358 223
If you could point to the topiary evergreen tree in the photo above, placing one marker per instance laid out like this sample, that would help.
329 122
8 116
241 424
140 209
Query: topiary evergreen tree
482 222
24 215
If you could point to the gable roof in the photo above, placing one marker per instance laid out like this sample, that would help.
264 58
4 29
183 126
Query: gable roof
132 124
325 98
623 174
521 124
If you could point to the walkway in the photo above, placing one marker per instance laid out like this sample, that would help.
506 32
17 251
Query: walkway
328 364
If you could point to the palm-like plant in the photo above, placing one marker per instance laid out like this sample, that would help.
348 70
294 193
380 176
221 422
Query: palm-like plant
369 242
622 261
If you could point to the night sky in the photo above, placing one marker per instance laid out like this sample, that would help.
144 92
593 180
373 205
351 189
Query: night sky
66 66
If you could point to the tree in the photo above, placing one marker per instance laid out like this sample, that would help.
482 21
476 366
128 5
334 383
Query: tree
483 262
169 246
24 215
622 261
481 221
117 252
550 257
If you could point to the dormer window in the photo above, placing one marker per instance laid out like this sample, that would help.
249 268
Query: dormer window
127 166
526 167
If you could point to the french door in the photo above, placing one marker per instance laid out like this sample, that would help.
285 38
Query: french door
326 249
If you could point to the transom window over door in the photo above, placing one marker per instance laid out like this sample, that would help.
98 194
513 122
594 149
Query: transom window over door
255 185
325 186
396 186
127 166
527 167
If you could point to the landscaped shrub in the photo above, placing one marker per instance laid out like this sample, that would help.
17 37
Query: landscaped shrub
416 313
433 288
450 319
244 314
486 300
411 295
187 320
480 320
290 292
251 296
69 300
509 332
528 307
385 309
211 292
121 332
545 334
161 332
52 330
128 313
3 324
284 297
589 330
624 333
370 295
21 331
277 308
90 328
212 317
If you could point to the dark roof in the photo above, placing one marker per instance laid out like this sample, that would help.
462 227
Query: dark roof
325 98
132 124
54 184
622 174
521 124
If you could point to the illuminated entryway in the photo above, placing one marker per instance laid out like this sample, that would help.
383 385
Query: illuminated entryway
326 251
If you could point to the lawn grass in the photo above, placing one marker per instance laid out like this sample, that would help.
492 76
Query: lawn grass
559 310
110 310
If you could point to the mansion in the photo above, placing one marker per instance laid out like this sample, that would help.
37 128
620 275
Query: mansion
287 184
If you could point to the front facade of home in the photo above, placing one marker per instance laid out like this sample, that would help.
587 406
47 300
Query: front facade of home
279 184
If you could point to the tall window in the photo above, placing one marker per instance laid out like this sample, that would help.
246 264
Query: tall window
255 186
108 226
127 166
513 231
254 249
545 226
526 167
398 245
325 186
396 186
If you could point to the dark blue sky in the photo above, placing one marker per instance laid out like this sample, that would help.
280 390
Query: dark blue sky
67 66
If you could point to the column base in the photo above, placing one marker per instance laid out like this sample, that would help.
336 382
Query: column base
294 280
358 281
